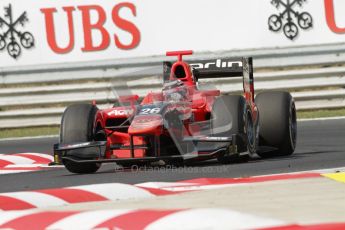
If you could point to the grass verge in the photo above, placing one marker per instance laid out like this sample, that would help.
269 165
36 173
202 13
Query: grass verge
29 132
321 113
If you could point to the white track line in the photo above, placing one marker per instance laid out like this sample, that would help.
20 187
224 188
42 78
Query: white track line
14 171
158 185
33 166
322 119
27 138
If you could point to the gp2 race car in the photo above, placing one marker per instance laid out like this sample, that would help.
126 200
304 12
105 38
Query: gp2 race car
182 123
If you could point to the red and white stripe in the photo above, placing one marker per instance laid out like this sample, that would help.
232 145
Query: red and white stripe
23 162
135 219
70 195
117 191
149 220
33 218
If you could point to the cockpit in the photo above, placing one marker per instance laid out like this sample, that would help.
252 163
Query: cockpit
175 91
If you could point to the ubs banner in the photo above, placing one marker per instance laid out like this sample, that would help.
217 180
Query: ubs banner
35 32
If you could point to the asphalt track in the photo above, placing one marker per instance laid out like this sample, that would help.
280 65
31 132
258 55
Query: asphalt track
321 144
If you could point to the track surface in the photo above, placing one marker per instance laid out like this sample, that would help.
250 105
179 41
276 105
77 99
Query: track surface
321 144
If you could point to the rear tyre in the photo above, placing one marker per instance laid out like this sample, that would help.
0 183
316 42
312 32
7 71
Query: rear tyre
77 126
231 115
278 123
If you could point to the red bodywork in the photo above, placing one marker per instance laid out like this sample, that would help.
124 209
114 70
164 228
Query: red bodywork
200 106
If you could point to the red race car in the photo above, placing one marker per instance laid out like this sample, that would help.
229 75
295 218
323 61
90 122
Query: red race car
181 123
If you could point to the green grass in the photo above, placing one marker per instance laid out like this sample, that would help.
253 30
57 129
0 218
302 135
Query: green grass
29 132
321 113
54 130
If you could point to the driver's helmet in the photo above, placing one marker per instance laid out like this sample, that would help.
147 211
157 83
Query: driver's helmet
175 91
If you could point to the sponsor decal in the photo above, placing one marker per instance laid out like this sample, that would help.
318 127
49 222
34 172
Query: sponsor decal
219 63
89 27
121 112
288 19
146 111
11 37
331 18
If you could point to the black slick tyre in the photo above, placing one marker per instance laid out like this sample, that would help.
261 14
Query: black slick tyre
278 125
77 126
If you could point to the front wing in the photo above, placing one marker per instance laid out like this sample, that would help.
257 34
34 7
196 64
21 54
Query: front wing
69 152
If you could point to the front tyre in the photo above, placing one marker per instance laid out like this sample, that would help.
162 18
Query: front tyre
81 168
77 126
278 123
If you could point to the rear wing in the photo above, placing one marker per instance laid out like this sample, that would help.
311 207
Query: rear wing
224 68
216 68
221 68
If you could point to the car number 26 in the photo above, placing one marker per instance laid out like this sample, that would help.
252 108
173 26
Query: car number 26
150 111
